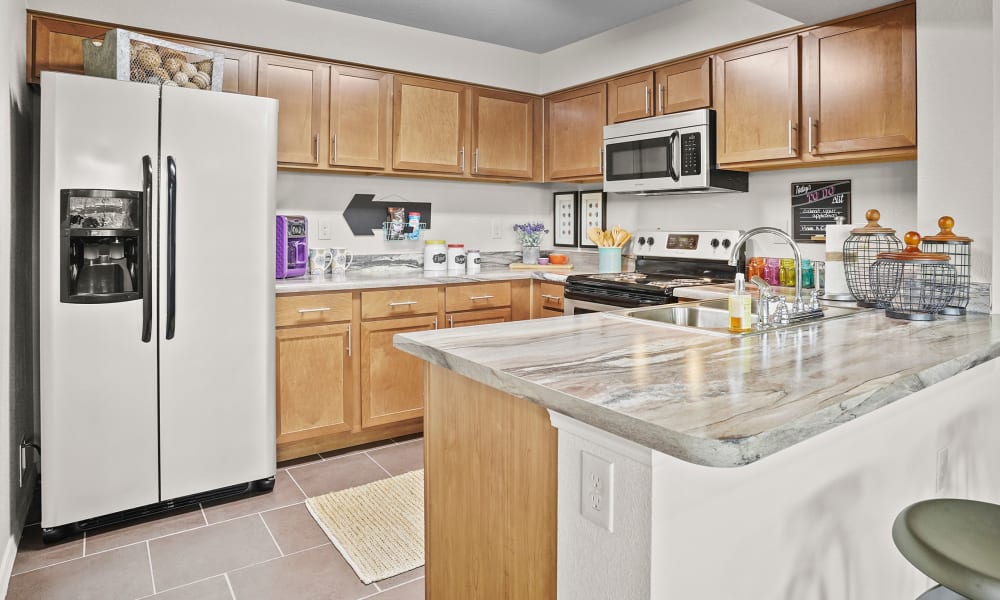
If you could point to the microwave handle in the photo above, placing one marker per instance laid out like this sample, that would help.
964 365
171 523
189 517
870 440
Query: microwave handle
673 156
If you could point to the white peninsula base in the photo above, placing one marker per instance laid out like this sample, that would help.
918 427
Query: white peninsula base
809 522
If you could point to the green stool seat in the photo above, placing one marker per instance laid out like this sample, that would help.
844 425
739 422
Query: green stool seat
954 542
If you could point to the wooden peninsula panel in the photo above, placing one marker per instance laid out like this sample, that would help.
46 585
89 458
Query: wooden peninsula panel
490 491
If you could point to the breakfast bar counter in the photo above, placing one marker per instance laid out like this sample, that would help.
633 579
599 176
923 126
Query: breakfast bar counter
580 457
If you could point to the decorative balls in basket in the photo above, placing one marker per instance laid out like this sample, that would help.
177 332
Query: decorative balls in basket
130 56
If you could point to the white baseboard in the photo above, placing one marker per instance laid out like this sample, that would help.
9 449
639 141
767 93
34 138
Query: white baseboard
7 566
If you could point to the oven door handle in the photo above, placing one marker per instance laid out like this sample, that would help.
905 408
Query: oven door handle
672 172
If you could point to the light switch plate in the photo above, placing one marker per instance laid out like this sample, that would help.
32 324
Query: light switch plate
597 490
325 229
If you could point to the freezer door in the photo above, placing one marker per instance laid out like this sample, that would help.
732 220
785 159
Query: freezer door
97 376
216 326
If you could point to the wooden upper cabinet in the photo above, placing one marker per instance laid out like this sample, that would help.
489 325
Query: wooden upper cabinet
859 88
684 86
298 86
574 133
503 133
360 109
630 97
757 101
56 45
428 124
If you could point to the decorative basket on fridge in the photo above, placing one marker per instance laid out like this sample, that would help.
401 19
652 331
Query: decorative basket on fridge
861 249
130 56
911 284
959 249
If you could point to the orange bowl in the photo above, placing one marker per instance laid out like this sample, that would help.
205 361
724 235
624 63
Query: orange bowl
558 259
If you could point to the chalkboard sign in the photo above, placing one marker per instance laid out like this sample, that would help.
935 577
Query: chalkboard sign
817 204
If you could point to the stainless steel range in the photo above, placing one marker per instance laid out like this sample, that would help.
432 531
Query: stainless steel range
665 261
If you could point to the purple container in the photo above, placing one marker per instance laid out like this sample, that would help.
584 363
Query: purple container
291 255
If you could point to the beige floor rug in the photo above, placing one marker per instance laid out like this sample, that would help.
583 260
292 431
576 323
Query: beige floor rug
378 527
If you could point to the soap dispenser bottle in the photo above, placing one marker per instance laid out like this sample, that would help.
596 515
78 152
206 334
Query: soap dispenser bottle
739 307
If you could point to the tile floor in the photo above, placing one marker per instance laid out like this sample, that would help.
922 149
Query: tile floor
263 547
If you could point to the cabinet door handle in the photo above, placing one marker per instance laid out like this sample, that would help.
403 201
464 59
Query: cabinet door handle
661 97
349 349
811 123
475 161
435 322
481 297
600 159
313 310
316 146
333 151
791 148
461 153
551 297
406 303
451 321
647 101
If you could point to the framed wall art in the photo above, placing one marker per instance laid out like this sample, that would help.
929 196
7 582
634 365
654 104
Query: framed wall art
565 225
593 213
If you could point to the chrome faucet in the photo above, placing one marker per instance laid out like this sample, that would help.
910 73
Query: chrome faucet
797 304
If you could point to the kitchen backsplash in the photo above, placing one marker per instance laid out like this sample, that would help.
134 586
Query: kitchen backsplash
582 260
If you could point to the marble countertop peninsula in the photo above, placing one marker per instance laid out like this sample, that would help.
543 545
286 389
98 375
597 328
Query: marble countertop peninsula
711 399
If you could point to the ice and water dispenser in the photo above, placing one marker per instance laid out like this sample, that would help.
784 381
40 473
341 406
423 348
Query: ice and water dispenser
101 246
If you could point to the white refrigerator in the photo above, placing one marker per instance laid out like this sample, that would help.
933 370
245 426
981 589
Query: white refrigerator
156 297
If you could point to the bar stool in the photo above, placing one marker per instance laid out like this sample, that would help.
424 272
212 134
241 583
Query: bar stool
954 542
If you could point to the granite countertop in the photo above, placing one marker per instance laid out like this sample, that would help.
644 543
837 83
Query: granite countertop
710 399
402 277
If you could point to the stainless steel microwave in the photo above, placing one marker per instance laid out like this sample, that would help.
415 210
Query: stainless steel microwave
671 154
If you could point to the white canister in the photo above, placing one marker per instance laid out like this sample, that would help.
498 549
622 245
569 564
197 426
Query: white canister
456 258
836 281
435 256
472 262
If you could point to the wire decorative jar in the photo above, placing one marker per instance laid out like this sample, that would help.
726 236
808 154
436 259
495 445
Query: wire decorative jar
861 249
959 250
911 284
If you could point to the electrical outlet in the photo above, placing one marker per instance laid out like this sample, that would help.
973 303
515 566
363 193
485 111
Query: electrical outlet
597 490
325 229
496 232
941 479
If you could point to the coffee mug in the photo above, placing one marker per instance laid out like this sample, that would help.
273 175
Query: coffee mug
341 258
320 260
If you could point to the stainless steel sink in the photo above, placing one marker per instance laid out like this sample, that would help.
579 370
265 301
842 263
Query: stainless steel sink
713 316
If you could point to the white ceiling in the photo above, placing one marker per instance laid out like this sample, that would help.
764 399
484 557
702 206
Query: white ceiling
543 25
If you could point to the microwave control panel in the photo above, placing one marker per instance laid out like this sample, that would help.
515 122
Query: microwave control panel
690 154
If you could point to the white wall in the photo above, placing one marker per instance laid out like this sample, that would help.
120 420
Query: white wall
692 27
293 27
888 187
462 212
955 123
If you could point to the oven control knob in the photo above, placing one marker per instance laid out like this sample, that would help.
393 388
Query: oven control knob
715 242
726 243
649 241
642 241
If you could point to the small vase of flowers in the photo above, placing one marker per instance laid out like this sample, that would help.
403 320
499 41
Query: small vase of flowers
530 236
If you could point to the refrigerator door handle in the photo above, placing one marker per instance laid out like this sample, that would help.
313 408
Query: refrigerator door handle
147 250
171 245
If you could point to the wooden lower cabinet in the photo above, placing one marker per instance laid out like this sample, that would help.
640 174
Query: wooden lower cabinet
315 381
392 381
546 299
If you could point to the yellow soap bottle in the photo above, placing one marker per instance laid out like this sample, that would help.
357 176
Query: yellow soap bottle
739 307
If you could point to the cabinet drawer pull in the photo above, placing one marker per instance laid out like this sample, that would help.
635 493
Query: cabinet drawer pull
312 310
451 321
551 297
406 303
349 350
647 101
481 297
